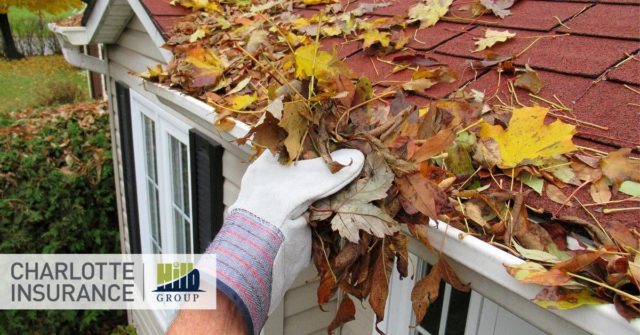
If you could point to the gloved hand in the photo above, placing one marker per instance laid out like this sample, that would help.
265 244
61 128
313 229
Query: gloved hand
265 242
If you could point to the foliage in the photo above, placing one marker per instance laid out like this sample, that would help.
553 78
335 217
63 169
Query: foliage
49 6
57 196
456 159
23 82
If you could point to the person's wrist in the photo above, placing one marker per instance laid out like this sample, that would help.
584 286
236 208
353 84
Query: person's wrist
245 249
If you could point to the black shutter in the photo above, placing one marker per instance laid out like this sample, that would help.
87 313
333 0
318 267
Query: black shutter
206 188
128 166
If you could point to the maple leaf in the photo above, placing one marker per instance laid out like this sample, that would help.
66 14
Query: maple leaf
313 62
491 37
373 36
352 208
198 34
527 139
429 13
499 7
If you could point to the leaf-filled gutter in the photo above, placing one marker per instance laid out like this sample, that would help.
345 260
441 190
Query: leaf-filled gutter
457 159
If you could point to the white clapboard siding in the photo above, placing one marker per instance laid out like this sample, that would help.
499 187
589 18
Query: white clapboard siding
145 323
363 324
233 167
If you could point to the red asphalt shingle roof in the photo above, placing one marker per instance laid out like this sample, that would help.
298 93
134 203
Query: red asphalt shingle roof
585 53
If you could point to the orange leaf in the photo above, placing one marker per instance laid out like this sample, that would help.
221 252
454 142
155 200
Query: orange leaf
346 312
425 292
434 145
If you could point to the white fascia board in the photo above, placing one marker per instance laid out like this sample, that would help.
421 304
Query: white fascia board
151 28
474 260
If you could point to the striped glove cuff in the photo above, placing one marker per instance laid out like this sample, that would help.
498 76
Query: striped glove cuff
245 249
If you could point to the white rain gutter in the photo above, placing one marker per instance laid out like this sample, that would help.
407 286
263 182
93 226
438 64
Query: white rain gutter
475 261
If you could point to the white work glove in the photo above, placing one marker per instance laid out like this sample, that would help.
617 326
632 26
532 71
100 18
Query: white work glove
265 242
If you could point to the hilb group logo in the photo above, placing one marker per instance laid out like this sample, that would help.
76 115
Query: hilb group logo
177 282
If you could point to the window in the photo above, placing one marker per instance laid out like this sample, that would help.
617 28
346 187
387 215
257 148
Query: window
161 152
453 313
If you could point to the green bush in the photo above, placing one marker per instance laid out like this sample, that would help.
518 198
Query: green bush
57 196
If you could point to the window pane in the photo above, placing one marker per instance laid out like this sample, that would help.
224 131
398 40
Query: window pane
458 310
149 134
150 147
180 240
179 156
154 211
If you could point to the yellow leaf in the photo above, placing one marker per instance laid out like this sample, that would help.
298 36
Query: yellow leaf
312 62
418 85
240 102
296 40
332 30
198 34
527 139
430 13
371 37
561 298
205 60
491 37
296 126
209 6
319 2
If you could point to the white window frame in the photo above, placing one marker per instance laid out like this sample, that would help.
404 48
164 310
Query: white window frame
484 317
165 125
398 311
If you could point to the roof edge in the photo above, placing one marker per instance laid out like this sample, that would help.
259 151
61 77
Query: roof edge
151 28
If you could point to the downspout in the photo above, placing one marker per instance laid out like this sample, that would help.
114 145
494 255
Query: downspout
73 54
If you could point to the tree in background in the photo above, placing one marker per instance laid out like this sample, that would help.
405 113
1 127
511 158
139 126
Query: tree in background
49 6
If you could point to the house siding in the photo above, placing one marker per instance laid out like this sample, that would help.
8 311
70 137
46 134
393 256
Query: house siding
298 314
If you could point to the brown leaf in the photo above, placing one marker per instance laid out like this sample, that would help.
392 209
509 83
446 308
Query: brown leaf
425 292
556 195
327 288
600 192
529 81
399 242
530 234
420 231
346 312
435 145
449 275
380 282
345 257
618 167
579 262
296 125
267 134
419 192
